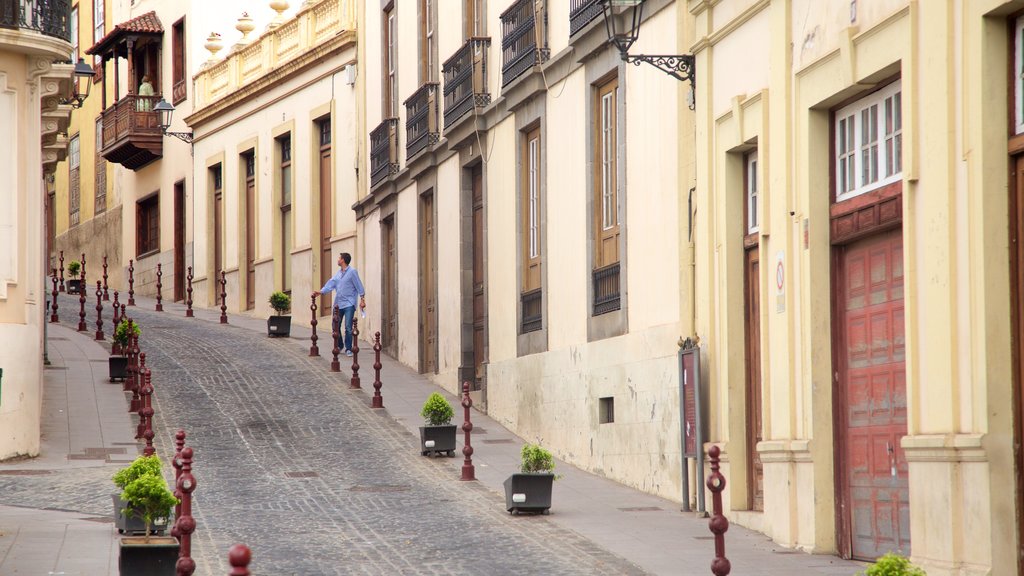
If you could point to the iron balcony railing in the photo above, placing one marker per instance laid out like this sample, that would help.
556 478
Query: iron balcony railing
532 311
465 79
606 289
383 151
581 13
51 17
524 39
421 126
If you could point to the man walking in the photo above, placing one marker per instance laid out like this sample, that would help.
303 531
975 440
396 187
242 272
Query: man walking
346 285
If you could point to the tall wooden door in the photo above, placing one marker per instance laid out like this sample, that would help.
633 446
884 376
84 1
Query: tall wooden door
218 240
873 396
327 264
389 309
479 261
428 271
250 231
755 424
1017 295
179 241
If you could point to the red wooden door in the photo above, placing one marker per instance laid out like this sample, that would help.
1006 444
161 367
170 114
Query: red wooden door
250 232
1017 304
179 241
873 396
755 476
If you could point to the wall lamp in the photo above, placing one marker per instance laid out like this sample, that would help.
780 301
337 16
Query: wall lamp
82 71
625 32
166 112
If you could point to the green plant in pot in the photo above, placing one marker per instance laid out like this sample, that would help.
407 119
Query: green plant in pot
280 324
74 284
118 363
893 565
145 497
529 490
127 520
437 435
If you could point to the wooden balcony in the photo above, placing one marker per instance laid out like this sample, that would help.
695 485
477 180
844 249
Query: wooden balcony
131 135
520 30
421 126
383 151
465 80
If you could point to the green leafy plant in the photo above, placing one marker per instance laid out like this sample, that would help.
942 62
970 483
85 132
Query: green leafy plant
280 302
141 466
121 331
437 411
537 459
893 565
149 498
73 268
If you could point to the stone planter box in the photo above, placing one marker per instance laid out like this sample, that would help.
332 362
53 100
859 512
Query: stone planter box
437 439
528 492
154 558
279 325
118 366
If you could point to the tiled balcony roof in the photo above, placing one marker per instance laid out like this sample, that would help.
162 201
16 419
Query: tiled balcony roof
147 23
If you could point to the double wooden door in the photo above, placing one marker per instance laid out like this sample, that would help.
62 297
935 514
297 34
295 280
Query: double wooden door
428 270
873 397
755 421
479 262
389 308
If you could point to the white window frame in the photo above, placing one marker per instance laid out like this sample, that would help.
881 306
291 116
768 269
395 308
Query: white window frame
98 19
429 24
534 167
73 25
608 179
851 155
392 84
1018 79
753 197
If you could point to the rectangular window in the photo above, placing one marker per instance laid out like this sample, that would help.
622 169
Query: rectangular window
753 208
428 72
530 206
1018 76
73 25
97 20
474 19
869 131
178 90
285 144
390 104
101 170
148 225
606 199
74 179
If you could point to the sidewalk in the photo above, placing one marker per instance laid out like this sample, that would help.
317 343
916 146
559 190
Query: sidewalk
646 530
86 427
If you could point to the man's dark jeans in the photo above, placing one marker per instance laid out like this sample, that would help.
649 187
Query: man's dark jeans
345 337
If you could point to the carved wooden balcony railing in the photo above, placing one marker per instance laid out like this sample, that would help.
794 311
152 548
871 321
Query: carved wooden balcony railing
383 151
606 289
421 126
50 17
581 13
131 132
465 80
521 27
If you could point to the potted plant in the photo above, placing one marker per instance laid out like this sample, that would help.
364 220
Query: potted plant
438 434
893 565
126 518
529 490
280 325
118 363
148 498
74 284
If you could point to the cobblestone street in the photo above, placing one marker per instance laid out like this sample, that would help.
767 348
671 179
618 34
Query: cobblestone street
292 463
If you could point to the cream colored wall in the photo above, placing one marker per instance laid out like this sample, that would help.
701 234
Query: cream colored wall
448 199
368 233
733 52
502 251
407 230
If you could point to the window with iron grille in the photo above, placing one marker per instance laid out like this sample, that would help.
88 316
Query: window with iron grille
74 180
530 205
148 225
285 145
605 274
101 170
869 142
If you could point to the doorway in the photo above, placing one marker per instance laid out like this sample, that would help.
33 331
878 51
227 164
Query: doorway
179 241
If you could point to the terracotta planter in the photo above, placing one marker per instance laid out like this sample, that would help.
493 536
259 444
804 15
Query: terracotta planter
154 558
528 492
436 439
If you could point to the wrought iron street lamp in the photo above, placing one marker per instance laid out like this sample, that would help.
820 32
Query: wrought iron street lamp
166 112
82 72
624 31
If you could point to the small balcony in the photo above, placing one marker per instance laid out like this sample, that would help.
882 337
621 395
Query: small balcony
581 13
519 33
49 17
465 80
421 127
383 151
131 134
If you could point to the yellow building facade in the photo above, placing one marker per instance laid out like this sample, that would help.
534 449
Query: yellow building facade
856 262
